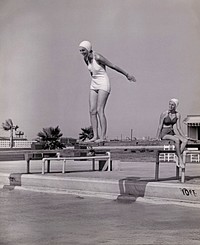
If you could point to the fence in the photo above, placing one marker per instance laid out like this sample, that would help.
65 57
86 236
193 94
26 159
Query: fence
170 157
167 157
16 144
193 157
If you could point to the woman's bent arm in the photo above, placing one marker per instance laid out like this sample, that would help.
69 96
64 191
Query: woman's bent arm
160 126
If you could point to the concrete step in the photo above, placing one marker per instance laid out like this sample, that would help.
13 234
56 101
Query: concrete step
114 188
174 191
4 179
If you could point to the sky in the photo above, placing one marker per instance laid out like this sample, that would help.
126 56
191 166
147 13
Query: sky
44 81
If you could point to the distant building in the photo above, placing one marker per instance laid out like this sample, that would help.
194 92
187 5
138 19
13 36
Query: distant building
68 141
193 126
17 143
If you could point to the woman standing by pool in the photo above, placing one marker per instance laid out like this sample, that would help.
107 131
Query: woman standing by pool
99 89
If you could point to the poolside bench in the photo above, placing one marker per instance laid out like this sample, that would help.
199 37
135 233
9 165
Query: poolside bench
178 169
106 157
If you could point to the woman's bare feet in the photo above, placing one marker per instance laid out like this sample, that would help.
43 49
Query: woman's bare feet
181 164
91 140
100 140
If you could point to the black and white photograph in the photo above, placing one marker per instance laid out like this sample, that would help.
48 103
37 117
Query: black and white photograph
100 122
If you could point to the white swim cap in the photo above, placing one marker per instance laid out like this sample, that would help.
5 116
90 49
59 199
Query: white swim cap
87 45
176 102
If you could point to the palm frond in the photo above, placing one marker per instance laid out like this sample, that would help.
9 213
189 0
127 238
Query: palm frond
10 122
50 137
6 127
87 133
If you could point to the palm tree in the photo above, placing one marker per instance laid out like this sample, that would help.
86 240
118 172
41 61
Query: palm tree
50 138
9 126
87 133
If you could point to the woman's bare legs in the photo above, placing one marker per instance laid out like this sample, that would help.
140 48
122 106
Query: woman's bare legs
93 113
184 142
97 102
101 103
177 141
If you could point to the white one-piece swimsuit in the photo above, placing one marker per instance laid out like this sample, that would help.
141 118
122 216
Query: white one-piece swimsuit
100 78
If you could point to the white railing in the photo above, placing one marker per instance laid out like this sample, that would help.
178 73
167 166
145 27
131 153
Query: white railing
171 157
167 157
23 143
16 144
4 144
193 157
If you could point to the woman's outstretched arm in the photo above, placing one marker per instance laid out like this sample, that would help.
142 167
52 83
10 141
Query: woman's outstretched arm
103 61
